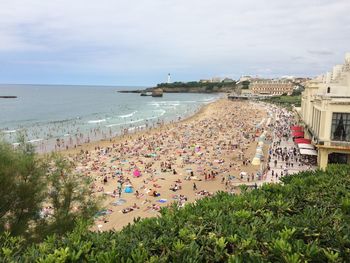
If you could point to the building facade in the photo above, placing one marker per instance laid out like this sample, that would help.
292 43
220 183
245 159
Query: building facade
325 110
271 87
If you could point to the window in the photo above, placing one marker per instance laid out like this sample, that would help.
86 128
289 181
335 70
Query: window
340 126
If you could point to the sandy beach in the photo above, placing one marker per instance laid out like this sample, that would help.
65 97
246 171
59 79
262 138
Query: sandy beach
178 162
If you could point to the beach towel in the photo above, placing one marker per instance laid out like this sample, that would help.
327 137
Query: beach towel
103 212
162 200
119 202
137 173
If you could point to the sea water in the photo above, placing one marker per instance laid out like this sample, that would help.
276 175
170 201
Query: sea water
55 117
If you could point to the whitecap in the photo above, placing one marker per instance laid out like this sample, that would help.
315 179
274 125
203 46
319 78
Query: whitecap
124 123
127 115
162 112
189 101
96 121
35 140
113 124
9 131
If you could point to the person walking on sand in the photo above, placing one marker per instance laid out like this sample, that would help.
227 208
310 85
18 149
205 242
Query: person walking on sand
194 187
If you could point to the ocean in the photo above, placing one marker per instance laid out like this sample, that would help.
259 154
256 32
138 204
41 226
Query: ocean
55 117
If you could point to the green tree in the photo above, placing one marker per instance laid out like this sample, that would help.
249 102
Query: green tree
29 182
22 187
70 196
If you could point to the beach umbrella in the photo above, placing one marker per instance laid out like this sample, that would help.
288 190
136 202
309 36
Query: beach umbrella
261 143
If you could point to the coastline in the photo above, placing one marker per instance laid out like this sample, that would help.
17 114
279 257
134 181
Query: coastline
116 139
96 114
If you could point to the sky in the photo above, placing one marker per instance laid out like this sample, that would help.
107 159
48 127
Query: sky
138 42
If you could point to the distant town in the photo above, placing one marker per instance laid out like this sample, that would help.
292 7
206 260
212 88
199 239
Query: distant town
245 86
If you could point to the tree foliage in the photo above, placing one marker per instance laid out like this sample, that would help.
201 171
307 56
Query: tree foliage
69 195
22 188
196 84
29 182
285 100
305 219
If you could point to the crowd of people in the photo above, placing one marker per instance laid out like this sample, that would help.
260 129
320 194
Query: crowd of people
192 158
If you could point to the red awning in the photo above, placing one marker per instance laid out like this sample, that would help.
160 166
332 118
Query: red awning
302 140
298 134
297 128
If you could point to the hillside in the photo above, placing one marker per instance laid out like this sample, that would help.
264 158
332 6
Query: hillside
197 87
305 220
191 87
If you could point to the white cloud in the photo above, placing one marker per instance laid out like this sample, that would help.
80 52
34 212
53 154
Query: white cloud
181 35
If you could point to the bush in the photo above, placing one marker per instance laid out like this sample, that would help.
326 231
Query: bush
29 182
305 219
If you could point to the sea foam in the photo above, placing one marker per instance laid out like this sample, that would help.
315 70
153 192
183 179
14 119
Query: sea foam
96 121
127 115
35 140
9 131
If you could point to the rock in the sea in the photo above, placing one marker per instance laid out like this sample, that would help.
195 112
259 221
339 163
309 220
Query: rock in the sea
157 92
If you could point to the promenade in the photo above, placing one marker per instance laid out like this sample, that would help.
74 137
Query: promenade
283 156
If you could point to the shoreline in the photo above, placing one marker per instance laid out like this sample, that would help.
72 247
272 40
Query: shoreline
105 142
210 148
113 115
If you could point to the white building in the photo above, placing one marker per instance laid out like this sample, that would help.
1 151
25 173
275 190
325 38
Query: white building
325 110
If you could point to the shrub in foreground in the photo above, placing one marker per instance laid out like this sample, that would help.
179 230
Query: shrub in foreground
307 219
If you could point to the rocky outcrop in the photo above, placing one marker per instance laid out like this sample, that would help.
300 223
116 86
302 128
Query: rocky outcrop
201 89
157 92
210 88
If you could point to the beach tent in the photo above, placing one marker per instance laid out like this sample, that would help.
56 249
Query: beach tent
259 155
262 137
128 189
307 152
268 122
302 140
256 161
259 150
297 128
298 134
306 146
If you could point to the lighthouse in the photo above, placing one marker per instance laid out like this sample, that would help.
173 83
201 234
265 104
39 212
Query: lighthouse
169 78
